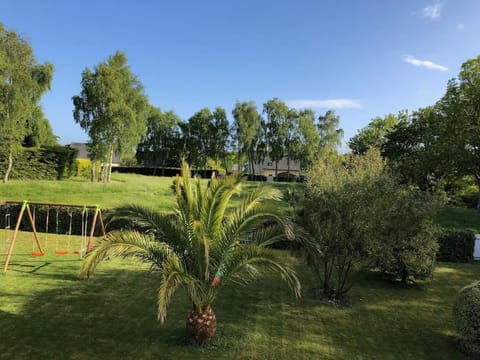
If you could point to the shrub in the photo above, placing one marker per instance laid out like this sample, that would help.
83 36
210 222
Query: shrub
456 245
466 312
342 206
408 248
84 167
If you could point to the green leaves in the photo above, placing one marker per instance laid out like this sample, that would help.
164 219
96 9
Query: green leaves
199 240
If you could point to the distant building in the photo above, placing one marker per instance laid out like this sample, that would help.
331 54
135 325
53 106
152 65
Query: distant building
267 168
83 152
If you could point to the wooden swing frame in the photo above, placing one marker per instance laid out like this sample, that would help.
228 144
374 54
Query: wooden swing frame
26 208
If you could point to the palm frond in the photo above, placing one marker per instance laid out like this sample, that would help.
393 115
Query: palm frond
175 276
125 244
250 262
217 198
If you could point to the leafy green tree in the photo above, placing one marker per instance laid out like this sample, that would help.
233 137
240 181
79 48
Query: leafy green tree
309 142
330 133
341 211
247 129
219 137
201 246
411 149
39 130
22 83
458 125
277 113
112 108
161 144
373 135
198 138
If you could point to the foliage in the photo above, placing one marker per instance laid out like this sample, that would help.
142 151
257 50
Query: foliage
39 131
330 134
456 245
200 247
467 321
341 211
278 118
161 145
309 142
408 247
22 83
373 135
83 168
112 108
44 163
249 138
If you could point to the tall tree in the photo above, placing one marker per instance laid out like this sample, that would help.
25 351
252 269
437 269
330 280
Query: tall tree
277 117
410 148
459 112
373 135
161 144
309 143
39 130
22 82
112 108
330 133
219 137
198 137
246 127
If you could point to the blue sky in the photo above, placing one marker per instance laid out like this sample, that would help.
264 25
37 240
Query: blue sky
363 58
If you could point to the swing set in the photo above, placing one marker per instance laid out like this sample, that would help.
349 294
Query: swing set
37 249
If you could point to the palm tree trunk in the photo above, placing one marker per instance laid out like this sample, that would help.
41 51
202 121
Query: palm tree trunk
202 325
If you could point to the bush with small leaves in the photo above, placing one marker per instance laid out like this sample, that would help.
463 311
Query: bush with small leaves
466 311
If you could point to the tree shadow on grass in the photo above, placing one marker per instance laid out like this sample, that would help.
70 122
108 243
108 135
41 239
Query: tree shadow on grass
113 316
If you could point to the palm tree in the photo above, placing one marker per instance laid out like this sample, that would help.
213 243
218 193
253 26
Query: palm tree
202 246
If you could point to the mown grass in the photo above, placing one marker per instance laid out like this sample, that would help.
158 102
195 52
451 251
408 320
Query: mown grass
459 218
47 313
123 189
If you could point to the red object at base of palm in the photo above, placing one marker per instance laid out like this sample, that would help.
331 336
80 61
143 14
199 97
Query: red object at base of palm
216 280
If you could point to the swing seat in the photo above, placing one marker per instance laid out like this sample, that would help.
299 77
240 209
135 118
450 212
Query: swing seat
77 252
38 253
61 252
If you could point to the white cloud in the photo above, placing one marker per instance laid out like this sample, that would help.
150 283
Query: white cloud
460 27
327 103
424 63
433 11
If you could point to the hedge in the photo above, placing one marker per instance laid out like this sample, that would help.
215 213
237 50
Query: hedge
456 245
44 163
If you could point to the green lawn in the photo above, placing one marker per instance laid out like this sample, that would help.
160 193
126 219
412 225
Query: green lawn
47 313
459 218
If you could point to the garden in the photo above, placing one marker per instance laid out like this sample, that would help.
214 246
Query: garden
48 311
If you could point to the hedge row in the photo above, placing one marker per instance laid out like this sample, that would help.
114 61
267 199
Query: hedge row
456 245
45 163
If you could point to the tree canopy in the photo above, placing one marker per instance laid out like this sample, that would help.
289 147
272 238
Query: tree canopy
112 108
22 82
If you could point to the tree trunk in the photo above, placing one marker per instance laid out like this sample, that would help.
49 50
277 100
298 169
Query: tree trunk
9 167
288 167
201 326
477 181
92 172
